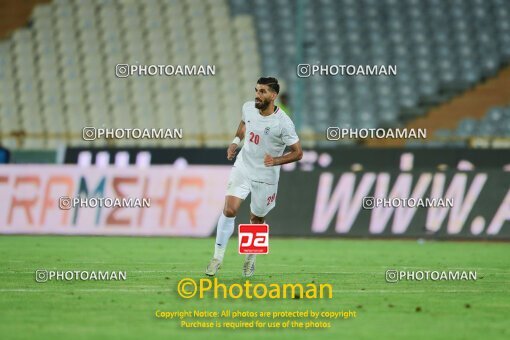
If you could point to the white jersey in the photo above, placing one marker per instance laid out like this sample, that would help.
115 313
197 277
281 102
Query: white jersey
264 134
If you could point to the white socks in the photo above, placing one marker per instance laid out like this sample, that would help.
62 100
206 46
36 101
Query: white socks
224 230
250 258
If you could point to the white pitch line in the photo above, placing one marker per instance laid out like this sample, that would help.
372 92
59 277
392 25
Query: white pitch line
405 291
35 290
234 274
153 290
110 263
383 270
302 265
187 271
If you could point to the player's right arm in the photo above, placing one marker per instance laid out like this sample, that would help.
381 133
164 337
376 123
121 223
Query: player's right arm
231 151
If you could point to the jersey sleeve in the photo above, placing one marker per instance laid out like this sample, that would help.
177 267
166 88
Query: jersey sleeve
244 109
289 135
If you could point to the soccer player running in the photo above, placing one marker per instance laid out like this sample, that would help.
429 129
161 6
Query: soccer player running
268 131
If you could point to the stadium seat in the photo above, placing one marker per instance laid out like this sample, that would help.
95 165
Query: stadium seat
495 123
76 81
413 35
71 48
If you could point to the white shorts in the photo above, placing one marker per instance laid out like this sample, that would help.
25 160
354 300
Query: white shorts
263 195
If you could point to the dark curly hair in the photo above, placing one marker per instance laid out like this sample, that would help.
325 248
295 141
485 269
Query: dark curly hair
270 82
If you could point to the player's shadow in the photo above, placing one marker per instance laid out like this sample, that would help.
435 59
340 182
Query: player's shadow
239 280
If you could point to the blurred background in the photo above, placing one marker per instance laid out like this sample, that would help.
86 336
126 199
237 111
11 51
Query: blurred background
57 62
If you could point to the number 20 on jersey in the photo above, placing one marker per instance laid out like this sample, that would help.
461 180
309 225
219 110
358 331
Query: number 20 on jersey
254 138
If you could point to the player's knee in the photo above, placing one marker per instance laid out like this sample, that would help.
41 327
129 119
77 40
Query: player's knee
229 212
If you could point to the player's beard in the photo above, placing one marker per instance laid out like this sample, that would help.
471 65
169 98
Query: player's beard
262 105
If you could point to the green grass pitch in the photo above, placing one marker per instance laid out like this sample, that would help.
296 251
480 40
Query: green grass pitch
355 268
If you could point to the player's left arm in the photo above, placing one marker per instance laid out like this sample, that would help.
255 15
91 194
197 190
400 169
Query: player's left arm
295 154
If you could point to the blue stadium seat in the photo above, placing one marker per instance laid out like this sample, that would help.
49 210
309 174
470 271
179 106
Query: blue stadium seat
437 45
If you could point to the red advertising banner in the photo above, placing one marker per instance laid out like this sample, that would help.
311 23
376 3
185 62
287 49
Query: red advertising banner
183 202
